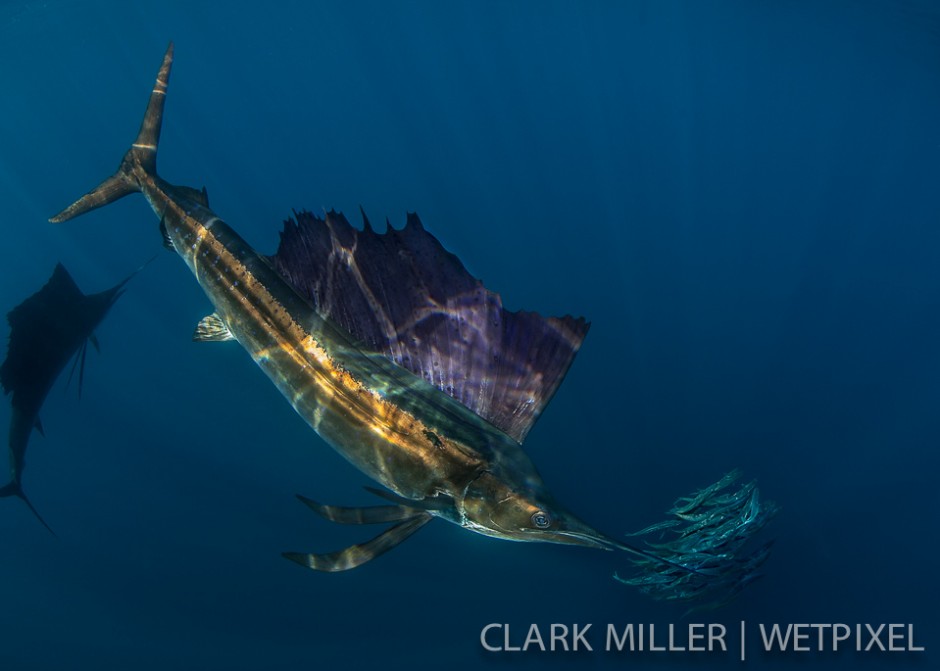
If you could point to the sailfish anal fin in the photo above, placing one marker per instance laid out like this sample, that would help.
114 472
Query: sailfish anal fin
402 295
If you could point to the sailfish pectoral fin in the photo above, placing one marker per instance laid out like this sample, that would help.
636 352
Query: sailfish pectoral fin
369 515
431 504
212 329
357 555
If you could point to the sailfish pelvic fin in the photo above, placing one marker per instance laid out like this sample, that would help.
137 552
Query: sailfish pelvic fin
357 555
409 519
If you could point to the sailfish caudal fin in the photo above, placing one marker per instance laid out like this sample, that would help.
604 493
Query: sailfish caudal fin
142 156
14 488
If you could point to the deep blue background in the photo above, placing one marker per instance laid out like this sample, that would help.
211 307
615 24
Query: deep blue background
741 196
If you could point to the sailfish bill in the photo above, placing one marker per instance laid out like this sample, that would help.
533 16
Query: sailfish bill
399 358
46 330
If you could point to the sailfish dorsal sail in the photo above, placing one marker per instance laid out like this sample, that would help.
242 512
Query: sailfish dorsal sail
402 295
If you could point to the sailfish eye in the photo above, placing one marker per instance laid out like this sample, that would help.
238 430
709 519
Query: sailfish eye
541 520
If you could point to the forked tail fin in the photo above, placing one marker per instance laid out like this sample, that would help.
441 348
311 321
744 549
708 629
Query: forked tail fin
141 156
14 488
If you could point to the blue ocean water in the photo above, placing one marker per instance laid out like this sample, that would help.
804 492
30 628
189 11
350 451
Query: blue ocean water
741 196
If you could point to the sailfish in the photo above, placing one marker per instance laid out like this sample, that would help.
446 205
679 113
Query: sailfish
389 349
47 330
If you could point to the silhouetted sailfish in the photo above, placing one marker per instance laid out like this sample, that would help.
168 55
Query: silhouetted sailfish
389 349
46 330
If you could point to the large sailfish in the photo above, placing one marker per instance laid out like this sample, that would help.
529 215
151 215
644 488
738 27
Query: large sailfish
388 348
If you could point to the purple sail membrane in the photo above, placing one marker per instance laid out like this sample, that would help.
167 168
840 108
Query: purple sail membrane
402 295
